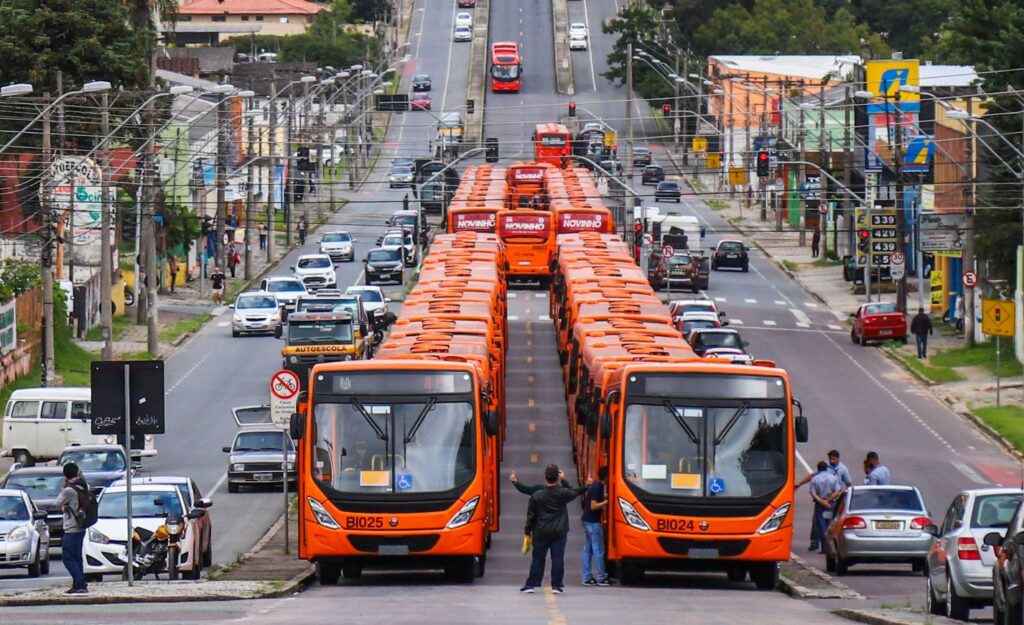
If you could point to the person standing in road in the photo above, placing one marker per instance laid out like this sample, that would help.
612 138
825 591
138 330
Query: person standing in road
74 534
547 521
877 473
594 502
217 280
921 328
172 269
825 488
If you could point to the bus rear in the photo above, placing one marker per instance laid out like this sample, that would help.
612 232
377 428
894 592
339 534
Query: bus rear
530 242
552 143
576 220
472 219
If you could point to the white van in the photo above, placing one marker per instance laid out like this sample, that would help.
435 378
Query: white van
40 422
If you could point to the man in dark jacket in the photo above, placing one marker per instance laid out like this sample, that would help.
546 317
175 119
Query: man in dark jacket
547 521
921 328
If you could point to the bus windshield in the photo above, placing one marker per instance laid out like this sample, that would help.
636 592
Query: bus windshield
687 448
319 332
384 446
504 72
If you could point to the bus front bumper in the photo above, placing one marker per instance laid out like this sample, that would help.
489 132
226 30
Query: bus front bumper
703 550
467 540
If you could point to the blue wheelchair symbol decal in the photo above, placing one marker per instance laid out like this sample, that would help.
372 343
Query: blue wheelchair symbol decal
404 481
716 486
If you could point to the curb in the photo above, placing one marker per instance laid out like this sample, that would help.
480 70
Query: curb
798 591
564 75
62 599
872 617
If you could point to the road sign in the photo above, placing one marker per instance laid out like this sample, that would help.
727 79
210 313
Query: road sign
737 176
648 238
897 266
146 396
699 144
713 161
284 397
668 251
898 258
997 317
970 279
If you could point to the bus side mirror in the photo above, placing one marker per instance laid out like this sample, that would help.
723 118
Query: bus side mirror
297 426
492 422
801 429
606 426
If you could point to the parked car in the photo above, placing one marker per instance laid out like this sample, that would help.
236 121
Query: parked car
254 458
960 563
668 190
100 465
1008 569
464 18
462 33
401 176
878 524
642 157
42 485
679 270
400 239
26 537
690 321
383 265
316 271
679 307
419 101
652 174
256 313
730 253
878 321
339 245
702 339
372 298
287 290
421 82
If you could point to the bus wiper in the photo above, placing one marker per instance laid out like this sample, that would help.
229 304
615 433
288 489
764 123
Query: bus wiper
679 419
411 435
373 424
732 421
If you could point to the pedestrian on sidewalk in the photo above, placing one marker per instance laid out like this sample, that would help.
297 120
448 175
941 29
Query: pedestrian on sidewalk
217 280
547 522
594 503
877 474
263 236
69 503
233 259
921 328
825 488
300 228
815 243
172 269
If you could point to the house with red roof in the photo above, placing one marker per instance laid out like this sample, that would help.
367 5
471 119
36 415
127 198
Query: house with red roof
209 22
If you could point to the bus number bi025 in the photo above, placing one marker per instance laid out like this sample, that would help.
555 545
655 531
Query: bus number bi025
364 523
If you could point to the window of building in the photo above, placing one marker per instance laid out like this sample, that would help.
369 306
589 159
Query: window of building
184 18
259 18
245 18
219 18
284 20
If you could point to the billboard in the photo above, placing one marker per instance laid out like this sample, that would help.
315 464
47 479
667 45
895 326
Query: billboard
76 197
884 79
941 232
884 121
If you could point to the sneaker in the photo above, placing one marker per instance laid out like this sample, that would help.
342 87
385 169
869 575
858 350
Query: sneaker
604 582
77 591
526 590
813 547
590 582
558 590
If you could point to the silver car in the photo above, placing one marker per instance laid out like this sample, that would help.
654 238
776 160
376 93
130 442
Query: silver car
960 563
256 312
339 245
287 289
878 524
24 537
254 458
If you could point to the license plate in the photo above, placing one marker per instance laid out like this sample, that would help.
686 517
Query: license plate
884 332
703 554
263 477
888 525
731 256
393 550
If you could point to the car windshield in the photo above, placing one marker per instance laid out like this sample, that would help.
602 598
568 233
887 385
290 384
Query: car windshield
653 170
730 246
718 339
462 30
421 78
885 499
367 295
682 448
401 170
112 505
262 441
393 239
337 237
95 460
679 259
37 486
682 309
13 508
383 256
319 332
255 301
880 309
381 447
331 304
667 186
314 263
285 286
994 511
694 324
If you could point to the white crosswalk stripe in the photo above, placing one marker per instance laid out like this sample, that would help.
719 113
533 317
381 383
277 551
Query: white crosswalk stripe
801 324
736 322
510 295
810 304
513 318
720 300
840 315
833 326
779 302
768 322
802 320
750 301
540 295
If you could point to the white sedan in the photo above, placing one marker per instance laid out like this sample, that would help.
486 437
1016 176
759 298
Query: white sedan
374 302
577 43
464 19
578 29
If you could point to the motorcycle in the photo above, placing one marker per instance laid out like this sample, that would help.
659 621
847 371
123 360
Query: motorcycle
157 551
129 295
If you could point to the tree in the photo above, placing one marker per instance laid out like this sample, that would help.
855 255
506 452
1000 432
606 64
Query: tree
911 26
329 23
636 25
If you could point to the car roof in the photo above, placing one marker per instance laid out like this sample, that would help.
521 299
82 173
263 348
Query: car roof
259 429
12 492
147 488
719 330
668 183
97 447
317 255
282 279
153 479
698 315
421 76
63 392
362 287
44 470
338 232
886 487
257 293
981 492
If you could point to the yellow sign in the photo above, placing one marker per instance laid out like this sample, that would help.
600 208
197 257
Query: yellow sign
997 317
699 144
713 161
317 349
737 176
886 77
937 285
609 139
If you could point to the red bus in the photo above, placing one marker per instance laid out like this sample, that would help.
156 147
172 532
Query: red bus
506 67
551 142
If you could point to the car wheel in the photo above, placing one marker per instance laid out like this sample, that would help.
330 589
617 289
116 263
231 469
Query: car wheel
714 267
35 568
746 267
842 565
208 554
44 565
957 607
630 574
197 571
830 561
920 566
863 341
327 573
903 340
232 488
932 603
235 333
24 458
853 337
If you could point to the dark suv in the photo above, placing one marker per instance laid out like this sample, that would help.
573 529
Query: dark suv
681 270
384 266
667 190
731 253
652 174
641 157
703 339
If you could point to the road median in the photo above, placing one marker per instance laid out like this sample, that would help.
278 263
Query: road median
563 56
476 83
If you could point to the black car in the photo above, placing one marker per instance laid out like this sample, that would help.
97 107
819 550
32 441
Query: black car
703 339
421 82
42 484
652 174
668 190
101 465
466 4
853 273
641 157
731 253
384 266
1008 570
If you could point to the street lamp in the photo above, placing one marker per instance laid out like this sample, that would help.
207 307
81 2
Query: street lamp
96 86
17 89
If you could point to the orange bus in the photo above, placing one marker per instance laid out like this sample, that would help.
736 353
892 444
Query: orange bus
551 143
506 67
529 238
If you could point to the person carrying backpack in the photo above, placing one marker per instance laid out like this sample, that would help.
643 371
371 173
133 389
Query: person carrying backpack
78 506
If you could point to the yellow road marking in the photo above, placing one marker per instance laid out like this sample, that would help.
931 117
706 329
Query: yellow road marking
533 427
533 458
531 403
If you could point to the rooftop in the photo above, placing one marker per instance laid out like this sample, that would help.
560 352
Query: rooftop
249 7
947 75
813 67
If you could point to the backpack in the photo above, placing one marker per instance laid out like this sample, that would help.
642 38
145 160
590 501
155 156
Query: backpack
87 508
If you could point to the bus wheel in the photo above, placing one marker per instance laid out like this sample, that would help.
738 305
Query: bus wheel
462 569
351 571
630 574
737 574
327 573
765 575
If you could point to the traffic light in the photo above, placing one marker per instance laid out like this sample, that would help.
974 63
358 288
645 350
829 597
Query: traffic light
470 106
491 149
666 110
763 163
572 109
862 240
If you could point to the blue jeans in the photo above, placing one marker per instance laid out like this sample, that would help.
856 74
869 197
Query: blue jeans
922 345
820 524
71 556
593 547
540 552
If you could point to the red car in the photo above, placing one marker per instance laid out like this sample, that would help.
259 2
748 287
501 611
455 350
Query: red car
466 4
878 321
420 101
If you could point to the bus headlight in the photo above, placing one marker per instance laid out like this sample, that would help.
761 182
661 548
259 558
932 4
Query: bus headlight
632 516
321 515
774 522
465 514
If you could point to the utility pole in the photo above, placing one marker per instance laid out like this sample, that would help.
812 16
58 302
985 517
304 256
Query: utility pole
628 168
106 261
272 138
901 220
48 249
847 171
825 150
968 251
802 178
149 237
289 177
250 195
322 141
222 158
